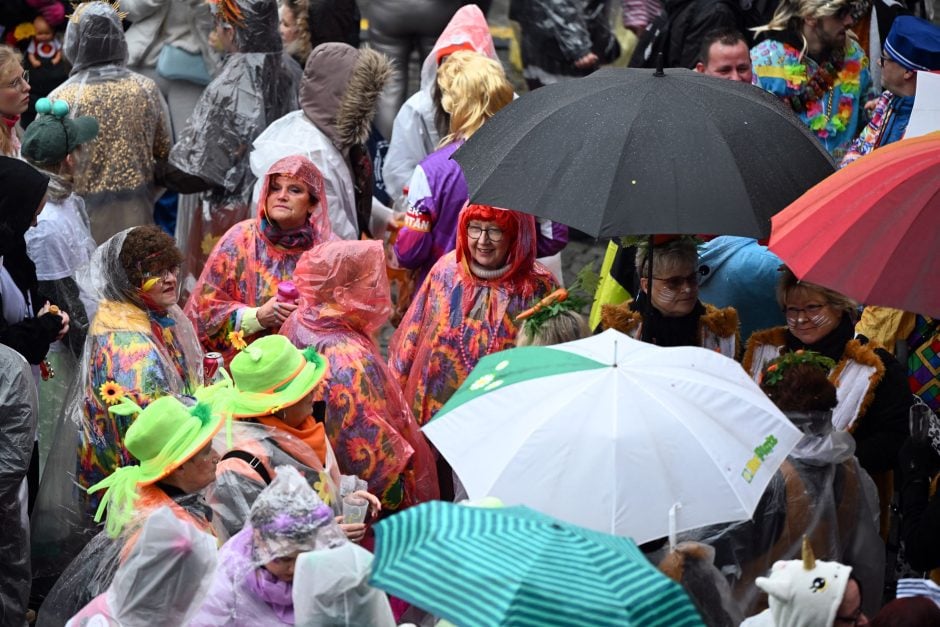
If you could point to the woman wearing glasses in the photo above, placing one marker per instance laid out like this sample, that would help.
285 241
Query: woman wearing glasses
139 346
873 394
467 306
669 313
14 99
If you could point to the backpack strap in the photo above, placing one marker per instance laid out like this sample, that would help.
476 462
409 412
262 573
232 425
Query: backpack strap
252 461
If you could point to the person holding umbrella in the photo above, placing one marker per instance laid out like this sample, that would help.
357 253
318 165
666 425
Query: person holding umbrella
668 311
820 491
872 386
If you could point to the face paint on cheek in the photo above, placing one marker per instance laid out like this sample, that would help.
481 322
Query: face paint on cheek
667 294
821 319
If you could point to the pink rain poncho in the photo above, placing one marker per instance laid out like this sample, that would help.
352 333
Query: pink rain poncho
415 133
456 317
344 300
251 259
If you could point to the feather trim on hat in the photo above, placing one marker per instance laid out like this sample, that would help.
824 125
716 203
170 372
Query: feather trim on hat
357 108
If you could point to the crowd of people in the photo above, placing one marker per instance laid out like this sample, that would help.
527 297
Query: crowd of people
209 210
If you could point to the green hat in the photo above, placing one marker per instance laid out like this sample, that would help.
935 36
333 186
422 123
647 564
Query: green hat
52 136
163 437
270 374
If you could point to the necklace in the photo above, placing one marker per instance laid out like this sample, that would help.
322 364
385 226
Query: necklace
813 96
464 358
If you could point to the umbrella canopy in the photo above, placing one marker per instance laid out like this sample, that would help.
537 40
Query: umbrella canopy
514 566
611 434
870 230
627 151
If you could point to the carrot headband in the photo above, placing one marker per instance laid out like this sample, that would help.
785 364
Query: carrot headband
560 301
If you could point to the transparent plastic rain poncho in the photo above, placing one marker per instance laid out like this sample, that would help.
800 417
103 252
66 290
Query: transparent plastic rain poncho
114 173
60 244
286 519
344 300
820 491
19 401
95 568
161 582
331 589
246 266
256 85
237 485
132 350
456 317
415 134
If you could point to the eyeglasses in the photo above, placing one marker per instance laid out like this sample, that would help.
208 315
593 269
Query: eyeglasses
163 275
476 232
884 58
795 313
856 10
19 82
676 283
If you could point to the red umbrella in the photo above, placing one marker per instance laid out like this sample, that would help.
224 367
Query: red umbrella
871 230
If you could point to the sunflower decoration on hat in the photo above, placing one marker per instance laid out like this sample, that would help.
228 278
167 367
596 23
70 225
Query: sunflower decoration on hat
162 438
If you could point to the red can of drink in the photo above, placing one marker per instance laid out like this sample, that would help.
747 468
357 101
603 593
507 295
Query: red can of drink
212 364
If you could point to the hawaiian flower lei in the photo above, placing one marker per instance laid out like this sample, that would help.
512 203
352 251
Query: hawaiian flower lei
811 94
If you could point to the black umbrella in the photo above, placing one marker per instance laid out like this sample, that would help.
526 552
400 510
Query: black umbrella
636 151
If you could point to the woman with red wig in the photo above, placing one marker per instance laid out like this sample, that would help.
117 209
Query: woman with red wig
235 300
466 307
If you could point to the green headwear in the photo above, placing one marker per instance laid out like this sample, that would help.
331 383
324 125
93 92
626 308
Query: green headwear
53 135
164 436
270 374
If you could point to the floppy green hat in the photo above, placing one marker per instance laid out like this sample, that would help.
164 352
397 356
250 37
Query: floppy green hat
270 374
163 437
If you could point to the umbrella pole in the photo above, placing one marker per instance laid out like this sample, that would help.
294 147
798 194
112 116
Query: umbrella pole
673 525
648 305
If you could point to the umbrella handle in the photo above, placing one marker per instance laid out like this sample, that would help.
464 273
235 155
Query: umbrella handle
673 525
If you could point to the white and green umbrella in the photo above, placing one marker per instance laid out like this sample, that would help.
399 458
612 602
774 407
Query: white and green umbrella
615 435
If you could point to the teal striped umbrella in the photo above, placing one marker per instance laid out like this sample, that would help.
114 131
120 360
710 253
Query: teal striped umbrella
478 567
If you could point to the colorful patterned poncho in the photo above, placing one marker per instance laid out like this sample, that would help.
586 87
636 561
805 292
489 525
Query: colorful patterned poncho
246 265
136 353
368 422
130 351
456 317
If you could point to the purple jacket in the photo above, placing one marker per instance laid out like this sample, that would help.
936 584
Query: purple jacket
436 194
